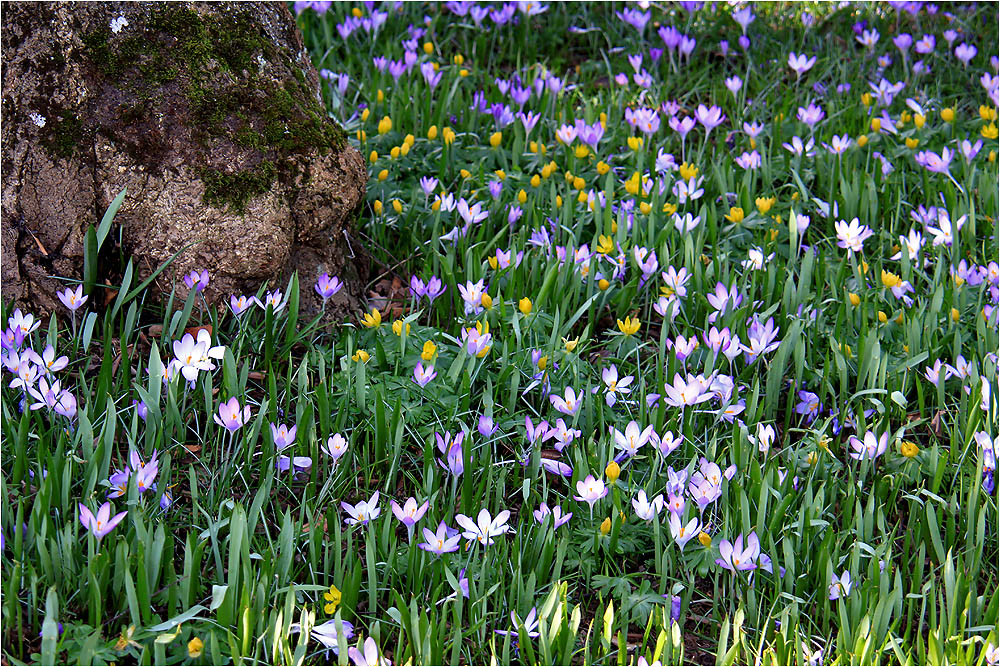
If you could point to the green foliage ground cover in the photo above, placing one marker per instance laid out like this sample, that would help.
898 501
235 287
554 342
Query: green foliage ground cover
632 289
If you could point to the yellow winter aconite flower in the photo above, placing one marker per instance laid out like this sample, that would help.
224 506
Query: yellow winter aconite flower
948 114
635 143
605 244
912 143
645 208
633 184
603 284
404 149
501 174
463 72
629 326
890 280
862 141
428 48
397 327
854 298
362 136
606 526
364 114
377 207
764 204
581 152
812 458
705 539
919 120
362 356
571 343
356 12
522 196
372 320
524 305
394 153
603 167
448 135
612 471
332 598
688 171
535 181
487 301
579 183
559 201
465 173
882 317
866 99
987 113
495 139
373 157
876 124
384 125
384 174
735 215
669 208
195 647
432 132
542 363
955 315
990 131
430 349
908 449
397 206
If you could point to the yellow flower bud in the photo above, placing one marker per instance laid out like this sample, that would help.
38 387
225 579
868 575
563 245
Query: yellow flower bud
855 299
705 539
581 152
384 174
955 315
908 449
866 99
603 284
876 124
992 157
501 174
919 120
428 352
356 12
362 356
812 458
606 526
987 113
397 327
463 72
579 183
524 305
669 208
645 208
195 647
912 143
459 59
862 141
362 136
559 201
487 301
612 471
397 206
404 149
882 317
535 181
409 140
465 173
635 143
373 157
380 96
522 196
603 167
428 48
495 139
890 280
377 207
764 204
948 115
736 215
394 152
364 114
432 132
543 363
448 135
436 206
581 197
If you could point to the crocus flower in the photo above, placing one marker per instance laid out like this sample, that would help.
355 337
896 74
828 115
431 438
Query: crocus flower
851 235
632 440
231 416
370 657
440 542
101 524
591 490
558 518
239 304
328 633
870 448
530 624
840 587
736 556
646 509
681 532
690 391
197 281
410 513
71 298
568 403
363 512
800 64
422 375
326 286
336 446
282 435
485 528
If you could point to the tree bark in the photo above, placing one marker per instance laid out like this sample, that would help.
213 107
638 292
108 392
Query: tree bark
208 113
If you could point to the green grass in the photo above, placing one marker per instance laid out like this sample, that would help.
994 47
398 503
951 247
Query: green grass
243 558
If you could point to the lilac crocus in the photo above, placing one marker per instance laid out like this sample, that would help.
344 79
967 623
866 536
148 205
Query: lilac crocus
710 117
485 527
239 304
101 524
558 517
197 281
965 53
363 512
71 298
445 540
423 374
409 513
336 447
870 448
591 490
800 64
840 587
326 286
231 416
282 435
736 556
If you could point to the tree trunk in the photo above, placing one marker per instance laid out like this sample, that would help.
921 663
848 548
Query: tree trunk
208 113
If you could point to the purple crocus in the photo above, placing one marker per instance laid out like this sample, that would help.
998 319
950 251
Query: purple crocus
197 281
282 435
101 524
232 416
736 556
423 374
327 286
409 513
72 299
445 540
